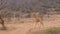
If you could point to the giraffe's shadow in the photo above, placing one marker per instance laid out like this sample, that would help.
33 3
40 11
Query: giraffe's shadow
1 28
8 28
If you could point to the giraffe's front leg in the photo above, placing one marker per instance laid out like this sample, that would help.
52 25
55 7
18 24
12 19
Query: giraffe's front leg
3 25
36 24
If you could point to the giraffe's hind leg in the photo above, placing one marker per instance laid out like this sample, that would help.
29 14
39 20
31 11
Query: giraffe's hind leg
33 27
37 22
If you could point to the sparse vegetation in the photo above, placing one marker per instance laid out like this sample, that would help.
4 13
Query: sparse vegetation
28 6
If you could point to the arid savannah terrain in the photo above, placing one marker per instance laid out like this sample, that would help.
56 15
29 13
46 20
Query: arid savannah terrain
23 25
16 15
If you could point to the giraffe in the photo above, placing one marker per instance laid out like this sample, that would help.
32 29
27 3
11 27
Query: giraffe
37 19
2 22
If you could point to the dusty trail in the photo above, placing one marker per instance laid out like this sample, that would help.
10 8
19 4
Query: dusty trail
23 28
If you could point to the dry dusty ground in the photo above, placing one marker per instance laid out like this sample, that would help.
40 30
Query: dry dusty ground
23 28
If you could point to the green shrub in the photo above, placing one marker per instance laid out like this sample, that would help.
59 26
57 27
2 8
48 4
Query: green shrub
52 31
57 9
